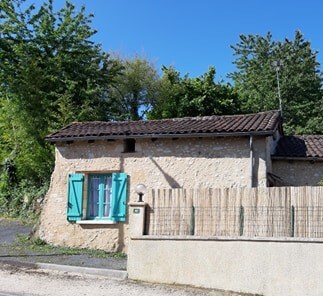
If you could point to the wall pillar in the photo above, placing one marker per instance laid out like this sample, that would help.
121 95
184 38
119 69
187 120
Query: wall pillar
137 213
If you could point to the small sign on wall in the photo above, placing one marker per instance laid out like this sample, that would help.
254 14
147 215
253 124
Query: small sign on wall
136 211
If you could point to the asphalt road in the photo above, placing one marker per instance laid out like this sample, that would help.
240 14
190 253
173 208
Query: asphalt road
9 250
10 228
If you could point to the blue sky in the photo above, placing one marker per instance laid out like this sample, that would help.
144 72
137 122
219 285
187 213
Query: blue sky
193 35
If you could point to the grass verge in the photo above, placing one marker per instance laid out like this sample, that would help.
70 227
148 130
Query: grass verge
29 245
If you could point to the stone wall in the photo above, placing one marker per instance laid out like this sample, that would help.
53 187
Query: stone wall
158 163
299 172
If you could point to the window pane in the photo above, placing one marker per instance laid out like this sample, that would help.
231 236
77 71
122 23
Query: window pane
94 196
107 180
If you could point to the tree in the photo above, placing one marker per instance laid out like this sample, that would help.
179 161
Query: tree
200 96
50 74
300 80
135 89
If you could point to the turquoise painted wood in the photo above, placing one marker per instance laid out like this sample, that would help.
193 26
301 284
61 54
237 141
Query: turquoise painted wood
75 197
100 197
119 200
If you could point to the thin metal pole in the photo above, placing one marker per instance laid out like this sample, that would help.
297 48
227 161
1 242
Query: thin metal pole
251 161
279 94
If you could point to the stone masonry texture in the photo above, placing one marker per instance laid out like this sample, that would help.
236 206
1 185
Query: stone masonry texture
158 163
299 172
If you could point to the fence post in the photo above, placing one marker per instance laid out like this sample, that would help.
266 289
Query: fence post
137 214
241 218
192 230
292 221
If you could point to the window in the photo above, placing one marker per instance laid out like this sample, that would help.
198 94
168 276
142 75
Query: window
99 196
129 145
106 197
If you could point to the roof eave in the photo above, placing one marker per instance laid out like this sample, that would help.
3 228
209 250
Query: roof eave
150 136
302 158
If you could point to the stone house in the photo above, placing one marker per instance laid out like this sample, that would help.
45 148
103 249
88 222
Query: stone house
98 165
298 160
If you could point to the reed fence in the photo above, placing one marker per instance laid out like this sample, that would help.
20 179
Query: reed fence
250 212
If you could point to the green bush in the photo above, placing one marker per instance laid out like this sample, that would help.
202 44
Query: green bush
20 199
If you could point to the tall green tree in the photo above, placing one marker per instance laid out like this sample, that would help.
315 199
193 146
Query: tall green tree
51 73
200 96
300 80
135 90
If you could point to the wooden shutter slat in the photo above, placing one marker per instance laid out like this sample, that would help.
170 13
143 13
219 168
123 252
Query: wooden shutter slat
119 197
75 197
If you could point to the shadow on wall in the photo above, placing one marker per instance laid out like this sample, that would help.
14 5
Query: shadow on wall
170 180
121 164
291 146
121 236
198 148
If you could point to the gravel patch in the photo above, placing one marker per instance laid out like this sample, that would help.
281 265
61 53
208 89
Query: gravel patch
41 283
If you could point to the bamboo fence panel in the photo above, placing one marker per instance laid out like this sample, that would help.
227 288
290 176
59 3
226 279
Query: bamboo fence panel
308 205
168 212
250 212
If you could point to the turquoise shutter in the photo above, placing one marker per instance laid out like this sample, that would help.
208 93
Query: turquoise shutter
75 197
119 197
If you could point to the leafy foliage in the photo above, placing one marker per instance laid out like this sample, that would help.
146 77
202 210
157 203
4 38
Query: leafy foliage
179 97
300 80
50 74
134 91
21 200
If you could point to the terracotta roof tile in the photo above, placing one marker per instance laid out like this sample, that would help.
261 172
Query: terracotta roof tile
259 123
300 146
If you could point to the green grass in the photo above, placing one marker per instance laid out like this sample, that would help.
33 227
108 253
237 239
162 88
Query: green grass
26 217
29 245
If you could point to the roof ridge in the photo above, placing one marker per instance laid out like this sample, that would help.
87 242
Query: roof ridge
181 118
244 124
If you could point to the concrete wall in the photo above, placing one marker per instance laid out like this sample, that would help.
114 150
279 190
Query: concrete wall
261 267
162 163
299 172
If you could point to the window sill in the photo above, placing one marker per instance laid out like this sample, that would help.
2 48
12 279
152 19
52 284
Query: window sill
95 222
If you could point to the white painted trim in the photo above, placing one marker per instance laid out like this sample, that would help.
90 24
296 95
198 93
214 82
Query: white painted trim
95 222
